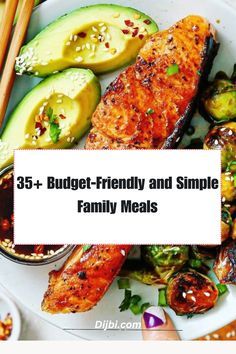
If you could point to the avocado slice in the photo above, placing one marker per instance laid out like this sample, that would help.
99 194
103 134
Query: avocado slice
2 6
54 115
100 37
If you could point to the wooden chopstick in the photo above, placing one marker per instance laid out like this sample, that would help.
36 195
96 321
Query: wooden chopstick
8 74
6 27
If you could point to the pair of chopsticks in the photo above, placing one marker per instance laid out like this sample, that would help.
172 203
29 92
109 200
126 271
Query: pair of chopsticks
8 73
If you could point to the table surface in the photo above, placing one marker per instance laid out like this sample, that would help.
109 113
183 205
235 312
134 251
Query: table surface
35 328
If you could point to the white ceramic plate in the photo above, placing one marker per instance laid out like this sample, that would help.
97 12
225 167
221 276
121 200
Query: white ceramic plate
7 306
28 283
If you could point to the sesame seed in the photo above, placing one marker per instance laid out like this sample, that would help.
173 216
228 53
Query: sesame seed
113 51
83 46
68 43
68 139
94 29
184 295
142 30
101 24
208 337
137 16
122 252
27 136
71 37
193 298
88 46
116 15
75 38
79 59
78 49
94 40
215 336
93 47
103 29
34 143
59 101
207 294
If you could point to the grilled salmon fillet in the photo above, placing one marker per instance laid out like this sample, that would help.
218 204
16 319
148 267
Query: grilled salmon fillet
146 107
84 278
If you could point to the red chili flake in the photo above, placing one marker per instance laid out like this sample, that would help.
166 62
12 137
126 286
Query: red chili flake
129 23
141 36
82 34
107 45
39 249
134 34
125 31
62 116
5 225
147 21
40 127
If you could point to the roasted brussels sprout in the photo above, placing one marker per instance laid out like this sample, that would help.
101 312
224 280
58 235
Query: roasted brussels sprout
165 256
218 102
228 189
226 224
145 276
166 260
191 293
225 264
223 138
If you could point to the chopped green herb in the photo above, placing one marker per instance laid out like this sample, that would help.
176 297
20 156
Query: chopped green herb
190 315
86 247
199 72
162 298
230 164
195 263
150 111
136 309
135 299
145 306
235 180
123 283
172 70
55 130
126 302
222 289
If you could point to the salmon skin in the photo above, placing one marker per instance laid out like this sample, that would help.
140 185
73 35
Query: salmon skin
150 104
85 277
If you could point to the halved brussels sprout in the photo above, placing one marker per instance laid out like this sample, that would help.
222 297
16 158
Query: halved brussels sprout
223 138
191 293
218 102
202 253
165 256
225 264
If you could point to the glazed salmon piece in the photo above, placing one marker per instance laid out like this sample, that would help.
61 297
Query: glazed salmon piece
83 280
147 108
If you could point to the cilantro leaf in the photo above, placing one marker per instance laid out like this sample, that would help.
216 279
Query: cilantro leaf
54 132
126 302
86 247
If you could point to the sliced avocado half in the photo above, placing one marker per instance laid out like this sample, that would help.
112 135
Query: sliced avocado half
54 115
100 37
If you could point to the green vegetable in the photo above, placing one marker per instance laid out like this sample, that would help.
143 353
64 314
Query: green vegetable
222 288
195 263
86 247
172 70
223 137
218 102
150 111
145 306
235 180
165 256
126 302
123 283
135 299
162 301
55 130
135 309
